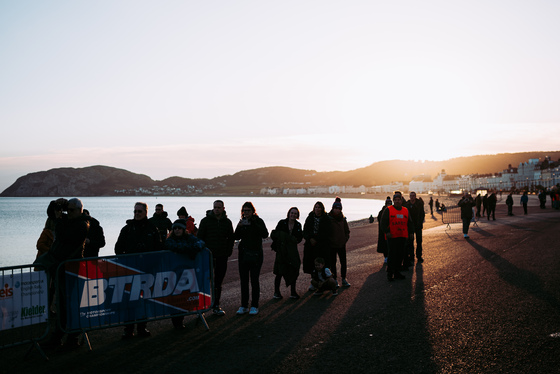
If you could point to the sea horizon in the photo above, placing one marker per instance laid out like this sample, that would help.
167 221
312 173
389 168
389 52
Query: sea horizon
23 218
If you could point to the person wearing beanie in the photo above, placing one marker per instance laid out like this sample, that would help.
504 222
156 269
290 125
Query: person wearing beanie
180 241
316 234
397 225
191 227
339 235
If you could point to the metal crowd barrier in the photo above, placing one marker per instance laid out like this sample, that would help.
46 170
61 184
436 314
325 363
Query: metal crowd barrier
453 215
119 290
24 306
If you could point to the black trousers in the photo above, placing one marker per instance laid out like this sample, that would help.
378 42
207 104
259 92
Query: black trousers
250 270
341 253
410 245
220 269
396 250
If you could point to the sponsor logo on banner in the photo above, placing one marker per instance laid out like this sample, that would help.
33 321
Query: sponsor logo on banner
148 285
23 299
6 292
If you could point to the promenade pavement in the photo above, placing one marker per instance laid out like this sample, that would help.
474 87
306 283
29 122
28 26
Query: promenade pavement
488 304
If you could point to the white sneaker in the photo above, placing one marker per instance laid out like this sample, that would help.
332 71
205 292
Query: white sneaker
254 311
465 236
243 310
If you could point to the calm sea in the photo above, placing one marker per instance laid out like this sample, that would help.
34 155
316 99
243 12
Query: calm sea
23 219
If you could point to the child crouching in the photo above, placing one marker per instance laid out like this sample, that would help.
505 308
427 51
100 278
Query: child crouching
322 278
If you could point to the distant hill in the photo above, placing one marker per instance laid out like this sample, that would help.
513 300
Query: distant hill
104 180
88 181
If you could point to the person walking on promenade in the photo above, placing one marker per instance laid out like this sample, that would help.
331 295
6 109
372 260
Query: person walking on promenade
285 239
509 203
216 230
431 204
524 201
251 230
485 204
180 241
437 205
397 225
416 210
137 236
381 241
316 231
555 197
162 222
340 233
542 199
478 203
491 209
466 203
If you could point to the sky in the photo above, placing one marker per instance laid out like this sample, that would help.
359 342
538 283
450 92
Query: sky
200 89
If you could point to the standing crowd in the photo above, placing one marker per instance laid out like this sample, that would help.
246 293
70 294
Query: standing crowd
71 233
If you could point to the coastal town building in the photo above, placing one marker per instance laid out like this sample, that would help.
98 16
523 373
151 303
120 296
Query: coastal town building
532 175
528 175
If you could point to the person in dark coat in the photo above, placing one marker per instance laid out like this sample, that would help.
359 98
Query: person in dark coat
70 233
381 241
216 230
137 236
431 204
524 201
285 239
251 230
339 235
416 210
466 203
95 239
162 222
316 231
509 203
491 209
478 202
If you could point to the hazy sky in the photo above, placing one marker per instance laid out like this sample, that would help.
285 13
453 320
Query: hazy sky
207 88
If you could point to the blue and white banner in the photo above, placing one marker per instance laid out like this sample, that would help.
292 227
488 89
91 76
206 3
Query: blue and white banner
113 290
23 298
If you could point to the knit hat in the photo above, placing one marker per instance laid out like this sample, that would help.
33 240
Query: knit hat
388 201
180 223
182 212
337 203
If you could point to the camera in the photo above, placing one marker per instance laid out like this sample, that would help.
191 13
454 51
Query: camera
61 206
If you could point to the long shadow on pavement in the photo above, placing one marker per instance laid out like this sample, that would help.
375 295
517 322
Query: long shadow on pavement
384 330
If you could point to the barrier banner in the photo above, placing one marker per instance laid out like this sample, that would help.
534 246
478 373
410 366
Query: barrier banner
23 298
113 290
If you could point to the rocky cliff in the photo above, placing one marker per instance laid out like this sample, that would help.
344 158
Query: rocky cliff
88 181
